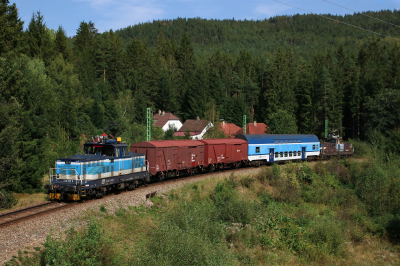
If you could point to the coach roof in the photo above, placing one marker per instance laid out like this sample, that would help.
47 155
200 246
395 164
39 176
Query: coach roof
271 138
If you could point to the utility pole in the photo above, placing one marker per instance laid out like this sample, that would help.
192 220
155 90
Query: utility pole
244 124
148 124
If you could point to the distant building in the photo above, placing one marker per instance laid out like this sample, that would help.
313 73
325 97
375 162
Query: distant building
167 121
196 127
101 137
229 129
254 128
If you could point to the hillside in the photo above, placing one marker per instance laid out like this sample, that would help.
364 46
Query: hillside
303 33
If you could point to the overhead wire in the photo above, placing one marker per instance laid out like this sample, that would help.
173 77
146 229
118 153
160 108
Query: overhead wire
361 13
335 20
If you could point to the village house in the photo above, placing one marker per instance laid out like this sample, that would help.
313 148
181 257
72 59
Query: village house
196 128
167 121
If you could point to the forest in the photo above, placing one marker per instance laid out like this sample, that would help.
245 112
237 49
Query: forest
56 91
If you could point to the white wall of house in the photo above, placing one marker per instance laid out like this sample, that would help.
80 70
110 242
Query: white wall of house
173 123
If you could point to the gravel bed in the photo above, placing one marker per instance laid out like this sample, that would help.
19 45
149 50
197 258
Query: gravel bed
33 232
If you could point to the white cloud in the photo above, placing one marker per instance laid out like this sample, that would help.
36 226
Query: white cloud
115 14
272 9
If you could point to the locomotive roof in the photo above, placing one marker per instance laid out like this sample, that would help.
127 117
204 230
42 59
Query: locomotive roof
270 138
106 144
96 157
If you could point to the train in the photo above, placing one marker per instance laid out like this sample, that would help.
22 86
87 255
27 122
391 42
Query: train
109 164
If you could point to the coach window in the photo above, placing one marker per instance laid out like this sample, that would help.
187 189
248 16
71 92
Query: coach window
276 155
257 149
290 141
281 153
313 147
276 141
298 153
298 141
286 154
286 141
281 141
290 154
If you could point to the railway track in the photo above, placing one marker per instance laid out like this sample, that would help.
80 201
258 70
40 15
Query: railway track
15 217
38 210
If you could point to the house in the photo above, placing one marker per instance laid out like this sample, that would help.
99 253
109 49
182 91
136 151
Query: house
255 128
167 121
101 137
229 129
196 127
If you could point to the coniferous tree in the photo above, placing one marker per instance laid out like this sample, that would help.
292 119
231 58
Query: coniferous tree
40 43
11 29
61 43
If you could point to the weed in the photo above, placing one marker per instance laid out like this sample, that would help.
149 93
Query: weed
247 181
103 209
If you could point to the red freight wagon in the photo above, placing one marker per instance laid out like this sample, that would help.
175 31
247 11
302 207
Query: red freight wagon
170 157
224 152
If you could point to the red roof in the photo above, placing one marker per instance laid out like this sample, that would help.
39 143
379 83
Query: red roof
229 129
161 120
254 128
182 134
105 135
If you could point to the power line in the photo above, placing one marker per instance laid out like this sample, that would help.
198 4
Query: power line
335 20
362 13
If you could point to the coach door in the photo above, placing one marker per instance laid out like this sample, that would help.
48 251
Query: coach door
271 155
303 153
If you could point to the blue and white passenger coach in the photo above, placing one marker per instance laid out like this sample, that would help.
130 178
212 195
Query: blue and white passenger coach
103 166
280 147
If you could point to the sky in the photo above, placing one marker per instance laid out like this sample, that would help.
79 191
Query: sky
117 14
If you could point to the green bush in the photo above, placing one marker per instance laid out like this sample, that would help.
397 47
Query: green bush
247 181
7 199
88 247
231 209
372 187
188 235
327 235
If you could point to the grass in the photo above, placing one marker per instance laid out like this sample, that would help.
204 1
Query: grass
294 214
26 199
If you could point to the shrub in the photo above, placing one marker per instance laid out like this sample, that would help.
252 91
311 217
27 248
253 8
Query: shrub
247 181
88 247
288 188
7 199
327 236
189 234
265 198
372 187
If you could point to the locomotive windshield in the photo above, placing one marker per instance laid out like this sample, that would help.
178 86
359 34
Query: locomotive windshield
106 150
98 149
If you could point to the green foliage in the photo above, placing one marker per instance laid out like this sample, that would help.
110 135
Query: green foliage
282 122
187 235
7 199
87 247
